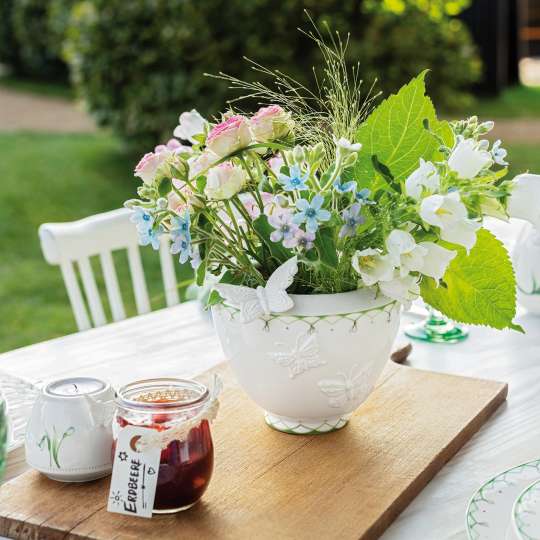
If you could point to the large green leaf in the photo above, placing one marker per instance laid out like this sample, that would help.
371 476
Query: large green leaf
479 288
395 133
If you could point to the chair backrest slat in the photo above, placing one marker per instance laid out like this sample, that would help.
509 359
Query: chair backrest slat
91 291
111 284
139 283
67 243
167 270
75 296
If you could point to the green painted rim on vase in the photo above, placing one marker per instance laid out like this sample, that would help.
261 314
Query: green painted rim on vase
303 427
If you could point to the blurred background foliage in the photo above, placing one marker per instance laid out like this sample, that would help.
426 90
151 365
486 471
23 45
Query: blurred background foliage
137 64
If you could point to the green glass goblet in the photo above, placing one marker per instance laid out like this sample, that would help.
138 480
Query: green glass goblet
437 329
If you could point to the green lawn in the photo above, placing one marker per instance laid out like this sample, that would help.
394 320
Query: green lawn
61 178
56 178
514 102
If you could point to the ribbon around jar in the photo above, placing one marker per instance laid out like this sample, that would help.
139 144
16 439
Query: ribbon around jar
180 432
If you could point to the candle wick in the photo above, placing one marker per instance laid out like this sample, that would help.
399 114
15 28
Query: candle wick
76 389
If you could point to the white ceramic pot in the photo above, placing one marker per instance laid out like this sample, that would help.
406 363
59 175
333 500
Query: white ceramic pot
526 258
69 434
311 367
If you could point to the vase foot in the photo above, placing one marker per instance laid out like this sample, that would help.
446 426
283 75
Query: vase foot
306 427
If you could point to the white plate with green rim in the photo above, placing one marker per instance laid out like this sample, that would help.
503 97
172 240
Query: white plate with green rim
526 513
489 513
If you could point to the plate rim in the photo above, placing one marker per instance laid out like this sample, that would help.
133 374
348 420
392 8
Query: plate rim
483 485
514 508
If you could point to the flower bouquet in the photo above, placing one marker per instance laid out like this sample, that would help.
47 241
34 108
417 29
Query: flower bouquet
317 217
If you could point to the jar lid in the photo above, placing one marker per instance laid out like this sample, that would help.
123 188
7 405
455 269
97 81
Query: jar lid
163 393
75 387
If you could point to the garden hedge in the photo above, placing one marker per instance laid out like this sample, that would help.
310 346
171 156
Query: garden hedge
138 64
9 51
31 30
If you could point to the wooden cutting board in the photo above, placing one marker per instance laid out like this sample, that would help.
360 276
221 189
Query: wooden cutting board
347 484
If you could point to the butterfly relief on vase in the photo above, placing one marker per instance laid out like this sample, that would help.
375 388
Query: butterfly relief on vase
272 298
352 387
303 356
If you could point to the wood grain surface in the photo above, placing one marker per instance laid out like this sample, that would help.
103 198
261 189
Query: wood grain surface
348 484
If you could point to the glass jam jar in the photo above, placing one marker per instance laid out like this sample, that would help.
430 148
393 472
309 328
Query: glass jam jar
168 406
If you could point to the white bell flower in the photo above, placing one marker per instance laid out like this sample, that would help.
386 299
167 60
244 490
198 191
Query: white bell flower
449 214
190 124
469 157
524 200
404 289
426 176
404 252
347 147
372 266
436 260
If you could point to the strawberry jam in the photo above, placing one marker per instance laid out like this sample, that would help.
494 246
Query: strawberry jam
186 463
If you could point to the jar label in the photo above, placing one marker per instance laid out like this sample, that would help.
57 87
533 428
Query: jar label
134 475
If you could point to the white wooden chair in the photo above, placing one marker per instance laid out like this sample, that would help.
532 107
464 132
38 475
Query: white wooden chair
65 244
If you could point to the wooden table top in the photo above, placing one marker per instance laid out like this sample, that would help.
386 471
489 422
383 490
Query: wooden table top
180 341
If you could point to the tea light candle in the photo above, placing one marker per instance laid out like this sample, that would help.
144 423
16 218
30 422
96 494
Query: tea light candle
69 435
75 386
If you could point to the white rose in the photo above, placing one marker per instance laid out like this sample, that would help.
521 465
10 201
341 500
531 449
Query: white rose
426 176
190 124
224 181
468 158
270 123
449 214
524 200
201 163
372 266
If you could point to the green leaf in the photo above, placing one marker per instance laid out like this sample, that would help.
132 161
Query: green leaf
480 287
395 133
200 273
386 174
276 249
326 247
214 297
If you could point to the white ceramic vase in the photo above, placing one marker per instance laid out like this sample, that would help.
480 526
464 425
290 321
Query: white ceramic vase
311 367
526 258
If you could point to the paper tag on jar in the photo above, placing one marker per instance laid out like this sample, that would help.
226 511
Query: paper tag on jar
134 475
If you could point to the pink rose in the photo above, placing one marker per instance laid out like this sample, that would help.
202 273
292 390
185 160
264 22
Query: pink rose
148 168
270 123
229 136
252 206
179 204
172 146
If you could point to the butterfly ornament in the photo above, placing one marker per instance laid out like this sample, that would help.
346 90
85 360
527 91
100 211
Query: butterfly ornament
303 356
272 298
347 387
